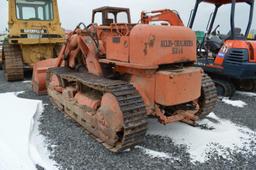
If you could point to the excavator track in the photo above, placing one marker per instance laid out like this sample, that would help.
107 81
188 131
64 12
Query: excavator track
225 88
12 62
130 102
247 85
208 97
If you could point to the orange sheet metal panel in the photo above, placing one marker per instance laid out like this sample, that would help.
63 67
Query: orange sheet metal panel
178 86
236 44
219 60
241 44
155 45
118 48
252 51
39 75
145 85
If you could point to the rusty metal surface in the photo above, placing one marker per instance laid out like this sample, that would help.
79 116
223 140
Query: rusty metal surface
12 62
130 102
39 75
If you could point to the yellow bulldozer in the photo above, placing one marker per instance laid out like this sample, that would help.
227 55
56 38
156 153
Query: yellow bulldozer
35 34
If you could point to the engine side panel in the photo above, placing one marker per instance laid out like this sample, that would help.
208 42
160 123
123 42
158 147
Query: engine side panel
169 87
156 45
118 48
174 87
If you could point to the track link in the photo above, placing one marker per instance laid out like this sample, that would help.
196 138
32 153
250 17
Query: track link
12 62
130 102
208 97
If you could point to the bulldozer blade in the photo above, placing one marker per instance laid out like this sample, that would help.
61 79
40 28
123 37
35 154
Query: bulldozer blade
39 75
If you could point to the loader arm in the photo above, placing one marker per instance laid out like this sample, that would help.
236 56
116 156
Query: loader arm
167 15
78 42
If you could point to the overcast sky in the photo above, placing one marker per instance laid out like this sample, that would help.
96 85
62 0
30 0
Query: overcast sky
75 11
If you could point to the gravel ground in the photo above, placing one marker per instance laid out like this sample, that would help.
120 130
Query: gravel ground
73 149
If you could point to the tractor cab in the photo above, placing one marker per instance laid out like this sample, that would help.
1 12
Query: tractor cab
34 21
214 40
34 34
106 16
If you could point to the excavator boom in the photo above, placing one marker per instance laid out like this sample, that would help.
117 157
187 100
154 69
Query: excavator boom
170 16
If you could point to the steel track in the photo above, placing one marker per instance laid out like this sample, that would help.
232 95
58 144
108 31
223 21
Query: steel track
208 97
12 63
130 102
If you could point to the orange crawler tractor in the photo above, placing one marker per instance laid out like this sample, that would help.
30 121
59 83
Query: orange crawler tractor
108 77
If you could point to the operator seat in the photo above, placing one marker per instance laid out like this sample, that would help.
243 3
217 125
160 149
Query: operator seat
216 42
237 35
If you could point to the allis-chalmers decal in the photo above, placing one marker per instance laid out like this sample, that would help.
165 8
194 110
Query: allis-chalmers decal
177 45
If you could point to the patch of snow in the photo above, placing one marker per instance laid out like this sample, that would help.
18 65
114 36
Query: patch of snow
199 141
235 103
18 93
16 131
9 159
249 94
127 150
27 81
155 154
37 151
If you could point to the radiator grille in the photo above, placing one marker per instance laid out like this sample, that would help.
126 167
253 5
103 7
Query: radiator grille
236 56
